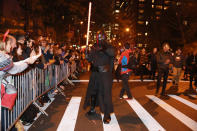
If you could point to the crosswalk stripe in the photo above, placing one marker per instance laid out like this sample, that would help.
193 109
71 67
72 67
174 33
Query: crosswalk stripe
113 125
146 118
136 80
186 102
70 116
177 114
195 96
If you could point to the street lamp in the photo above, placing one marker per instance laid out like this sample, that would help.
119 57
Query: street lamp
127 29
81 22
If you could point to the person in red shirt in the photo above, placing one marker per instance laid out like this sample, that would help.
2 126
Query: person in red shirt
125 72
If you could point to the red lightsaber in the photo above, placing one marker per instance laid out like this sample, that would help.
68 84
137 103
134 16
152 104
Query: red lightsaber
5 35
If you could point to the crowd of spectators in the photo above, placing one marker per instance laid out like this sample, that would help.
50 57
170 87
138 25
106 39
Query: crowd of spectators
52 53
18 54
181 64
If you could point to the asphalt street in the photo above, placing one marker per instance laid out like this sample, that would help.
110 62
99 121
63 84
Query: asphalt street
147 111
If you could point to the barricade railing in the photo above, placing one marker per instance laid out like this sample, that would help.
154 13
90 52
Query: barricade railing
30 86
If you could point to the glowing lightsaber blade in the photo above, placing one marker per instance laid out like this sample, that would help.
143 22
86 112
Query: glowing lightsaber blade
88 29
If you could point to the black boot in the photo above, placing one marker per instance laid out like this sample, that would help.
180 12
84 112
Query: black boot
106 119
92 110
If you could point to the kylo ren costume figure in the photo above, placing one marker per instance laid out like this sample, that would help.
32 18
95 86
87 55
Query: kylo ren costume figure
99 91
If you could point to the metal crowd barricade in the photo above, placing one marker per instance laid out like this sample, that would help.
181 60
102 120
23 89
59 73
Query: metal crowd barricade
30 86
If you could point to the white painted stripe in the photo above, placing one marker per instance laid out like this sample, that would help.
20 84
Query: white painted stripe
137 80
177 114
195 96
186 102
146 118
113 125
79 80
70 116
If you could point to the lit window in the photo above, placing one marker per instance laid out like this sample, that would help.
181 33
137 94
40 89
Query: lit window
141 11
141 0
140 22
117 3
141 5
146 22
157 17
178 3
167 2
165 8
116 24
185 22
139 44
159 7
153 6
153 1
158 13
139 34
117 11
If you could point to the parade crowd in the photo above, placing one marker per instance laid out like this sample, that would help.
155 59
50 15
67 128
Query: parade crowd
21 48
20 54
106 64
157 64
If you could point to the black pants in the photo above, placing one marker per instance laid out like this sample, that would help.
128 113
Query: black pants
100 86
193 76
125 86
143 70
153 71
105 92
162 73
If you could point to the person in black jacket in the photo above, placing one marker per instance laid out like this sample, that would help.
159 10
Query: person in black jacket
143 63
153 63
164 58
100 84
192 65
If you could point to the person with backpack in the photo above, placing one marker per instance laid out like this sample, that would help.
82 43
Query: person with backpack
125 71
